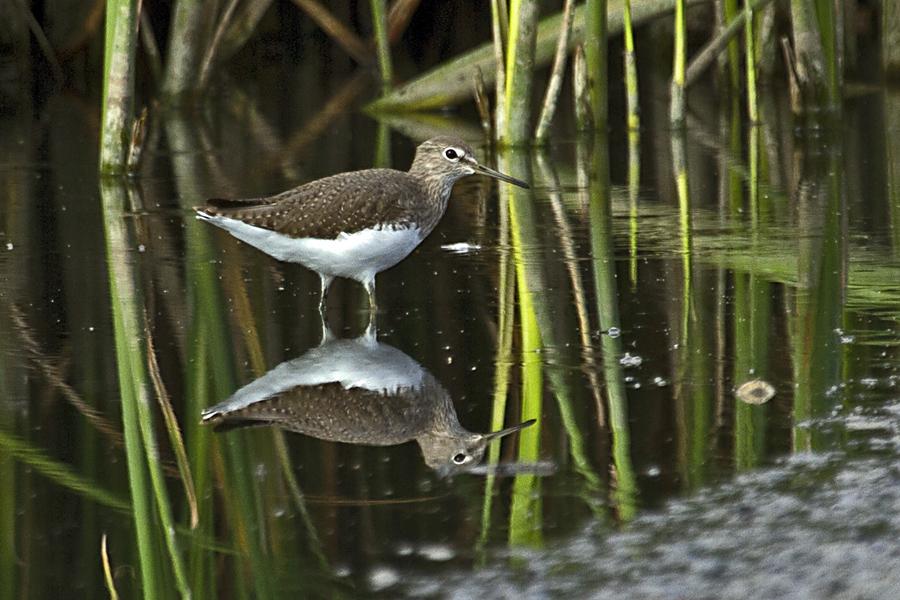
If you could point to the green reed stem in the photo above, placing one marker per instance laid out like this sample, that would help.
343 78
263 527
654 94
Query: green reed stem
499 35
209 364
605 283
820 296
502 364
752 314
118 84
580 90
525 517
551 98
183 54
107 571
734 52
519 71
562 391
677 97
634 192
750 39
890 40
57 472
379 19
124 315
723 39
631 79
124 287
595 51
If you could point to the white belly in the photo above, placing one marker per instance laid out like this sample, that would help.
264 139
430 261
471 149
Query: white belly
356 256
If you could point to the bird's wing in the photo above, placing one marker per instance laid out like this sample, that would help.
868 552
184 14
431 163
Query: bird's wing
348 202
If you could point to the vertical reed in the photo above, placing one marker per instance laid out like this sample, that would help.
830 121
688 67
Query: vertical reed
525 516
733 56
551 98
118 84
605 284
595 50
890 39
519 71
677 94
183 53
124 313
631 80
379 19
751 58
634 193
499 34
581 91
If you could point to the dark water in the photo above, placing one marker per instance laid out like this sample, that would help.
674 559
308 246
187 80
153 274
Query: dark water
644 477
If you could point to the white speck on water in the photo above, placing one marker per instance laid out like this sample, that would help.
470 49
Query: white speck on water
342 570
382 577
630 360
9 245
141 248
437 552
461 247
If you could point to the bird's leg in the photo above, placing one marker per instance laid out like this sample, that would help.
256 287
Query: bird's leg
326 281
327 334
373 307
371 328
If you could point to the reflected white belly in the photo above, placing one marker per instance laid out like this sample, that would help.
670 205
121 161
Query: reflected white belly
356 256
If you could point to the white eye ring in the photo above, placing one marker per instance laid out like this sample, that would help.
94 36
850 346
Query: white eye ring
453 154
460 458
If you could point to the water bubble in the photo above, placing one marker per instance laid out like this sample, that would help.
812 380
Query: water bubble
437 552
382 577
630 360
404 549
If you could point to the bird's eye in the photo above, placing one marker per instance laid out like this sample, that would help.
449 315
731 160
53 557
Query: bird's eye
459 458
451 154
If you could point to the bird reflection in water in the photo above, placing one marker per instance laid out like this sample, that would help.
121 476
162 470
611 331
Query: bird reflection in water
359 391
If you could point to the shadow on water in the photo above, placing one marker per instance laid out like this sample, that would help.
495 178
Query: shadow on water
621 318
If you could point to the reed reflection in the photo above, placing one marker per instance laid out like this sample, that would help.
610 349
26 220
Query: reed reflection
359 391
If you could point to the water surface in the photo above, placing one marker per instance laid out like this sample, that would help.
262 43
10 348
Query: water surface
645 476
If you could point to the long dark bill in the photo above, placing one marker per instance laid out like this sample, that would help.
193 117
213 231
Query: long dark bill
498 175
489 437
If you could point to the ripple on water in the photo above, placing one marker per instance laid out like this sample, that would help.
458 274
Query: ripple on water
814 526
